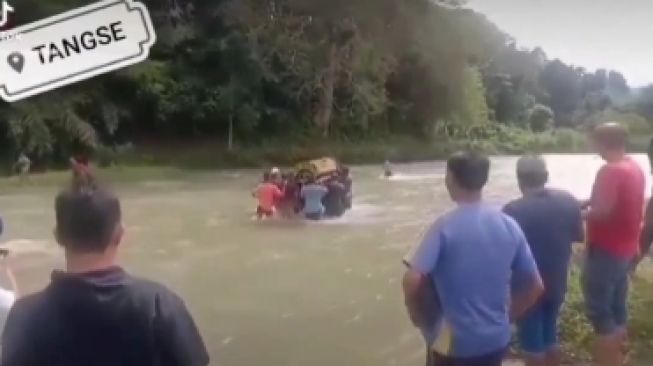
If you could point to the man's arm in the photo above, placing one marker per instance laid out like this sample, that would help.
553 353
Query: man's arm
646 236
604 195
278 193
179 342
420 296
524 266
416 289
8 272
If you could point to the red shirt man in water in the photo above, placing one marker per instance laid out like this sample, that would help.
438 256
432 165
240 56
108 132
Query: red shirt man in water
267 194
82 173
614 218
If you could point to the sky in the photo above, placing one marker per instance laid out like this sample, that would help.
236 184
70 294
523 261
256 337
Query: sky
610 34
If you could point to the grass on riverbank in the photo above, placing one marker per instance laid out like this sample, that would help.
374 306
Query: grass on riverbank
211 155
576 333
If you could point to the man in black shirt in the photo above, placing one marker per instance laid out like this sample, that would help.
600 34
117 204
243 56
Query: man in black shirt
95 313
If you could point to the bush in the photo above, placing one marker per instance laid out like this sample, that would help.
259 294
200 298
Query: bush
540 118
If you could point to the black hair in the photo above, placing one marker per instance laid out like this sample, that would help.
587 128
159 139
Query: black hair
86 218
532 179
469 169
532 171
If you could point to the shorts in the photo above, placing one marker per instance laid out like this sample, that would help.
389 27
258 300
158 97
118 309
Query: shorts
491 359
537 332
314 216
605 288
262 212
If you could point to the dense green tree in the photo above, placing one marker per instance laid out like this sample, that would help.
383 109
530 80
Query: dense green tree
563 86
617 83
540 118
245 71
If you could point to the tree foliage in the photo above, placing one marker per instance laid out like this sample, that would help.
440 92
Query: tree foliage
245 71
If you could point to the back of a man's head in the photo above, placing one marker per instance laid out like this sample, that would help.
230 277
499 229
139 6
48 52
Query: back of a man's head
532 171
611 136
87 219
469 169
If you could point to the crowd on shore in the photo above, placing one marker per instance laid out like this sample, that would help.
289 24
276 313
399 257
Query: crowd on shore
304 195
477 270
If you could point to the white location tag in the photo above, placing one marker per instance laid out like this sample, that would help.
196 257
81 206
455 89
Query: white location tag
74 46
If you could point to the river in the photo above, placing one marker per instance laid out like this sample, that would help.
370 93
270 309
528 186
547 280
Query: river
280 293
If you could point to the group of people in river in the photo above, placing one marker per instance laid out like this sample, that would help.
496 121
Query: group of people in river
479 268
303 194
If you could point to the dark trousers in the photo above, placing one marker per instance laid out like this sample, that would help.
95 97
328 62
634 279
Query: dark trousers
490 359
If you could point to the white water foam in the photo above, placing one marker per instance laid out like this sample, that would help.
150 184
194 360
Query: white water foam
22 246
362 213
411 177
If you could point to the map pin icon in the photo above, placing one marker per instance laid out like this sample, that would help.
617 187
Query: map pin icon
16 60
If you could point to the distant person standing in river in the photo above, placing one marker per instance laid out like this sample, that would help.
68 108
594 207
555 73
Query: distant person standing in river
456 286
551 220
82 172
387 169
614 216
22 167
94 312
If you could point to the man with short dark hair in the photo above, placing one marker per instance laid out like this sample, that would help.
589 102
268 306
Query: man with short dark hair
551 220
457 284
95 313
614 218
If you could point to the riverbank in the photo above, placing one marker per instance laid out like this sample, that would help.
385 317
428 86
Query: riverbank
577 336
211 155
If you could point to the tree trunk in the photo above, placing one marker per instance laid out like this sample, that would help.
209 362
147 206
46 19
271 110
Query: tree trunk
325 103
230 142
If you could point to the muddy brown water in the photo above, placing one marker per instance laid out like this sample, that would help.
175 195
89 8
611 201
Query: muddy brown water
280 293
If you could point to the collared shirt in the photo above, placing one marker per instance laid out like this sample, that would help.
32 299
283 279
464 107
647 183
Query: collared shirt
470 255
102 318
551 220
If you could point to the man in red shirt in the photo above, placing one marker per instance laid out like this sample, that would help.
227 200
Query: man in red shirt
614 217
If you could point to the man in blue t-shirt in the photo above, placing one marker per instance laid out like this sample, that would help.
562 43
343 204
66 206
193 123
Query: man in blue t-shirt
457 283
551 220
312 194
